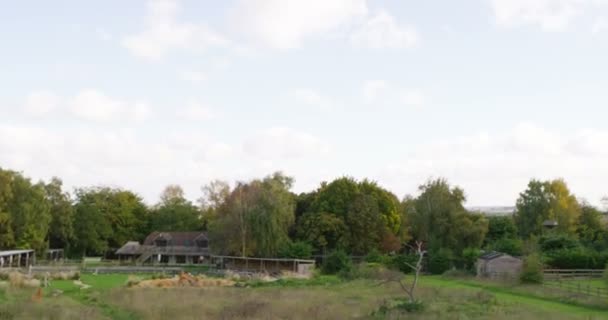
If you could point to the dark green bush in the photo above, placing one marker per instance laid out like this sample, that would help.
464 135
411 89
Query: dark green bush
296 250
388 308
532 271
440 261
557 243
375 256
401 261
337 262
577 259
512 247
469 258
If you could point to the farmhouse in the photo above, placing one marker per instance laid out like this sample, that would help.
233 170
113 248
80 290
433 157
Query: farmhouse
167 248
495 264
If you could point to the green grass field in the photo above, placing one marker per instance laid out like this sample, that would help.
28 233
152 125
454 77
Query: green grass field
322 298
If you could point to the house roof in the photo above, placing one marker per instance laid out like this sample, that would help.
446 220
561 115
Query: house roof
176 238
131 247
491 255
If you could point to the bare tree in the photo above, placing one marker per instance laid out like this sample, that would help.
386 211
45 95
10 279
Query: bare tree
390 276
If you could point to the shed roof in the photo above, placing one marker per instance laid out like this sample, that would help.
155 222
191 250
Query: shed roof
491 255
14 252
131 247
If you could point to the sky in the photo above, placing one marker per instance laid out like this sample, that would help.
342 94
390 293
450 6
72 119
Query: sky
144 93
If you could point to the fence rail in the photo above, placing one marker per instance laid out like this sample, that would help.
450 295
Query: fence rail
577 287
552 274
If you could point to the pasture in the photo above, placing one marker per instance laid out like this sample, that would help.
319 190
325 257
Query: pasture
323 297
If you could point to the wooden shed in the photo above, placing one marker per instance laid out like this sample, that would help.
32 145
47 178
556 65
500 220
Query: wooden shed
496 265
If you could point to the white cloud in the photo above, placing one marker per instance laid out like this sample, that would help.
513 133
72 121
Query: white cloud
549 15
494 168
164 33
196 111
382 31
373 88
284 24
93 105
103 34
41 103
413 98
121 158
88 104
194 77
599 25
312 98
381 92
284 143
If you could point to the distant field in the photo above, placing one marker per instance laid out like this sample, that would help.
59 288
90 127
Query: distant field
322 298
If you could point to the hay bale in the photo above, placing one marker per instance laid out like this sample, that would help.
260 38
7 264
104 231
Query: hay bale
31 283
16 279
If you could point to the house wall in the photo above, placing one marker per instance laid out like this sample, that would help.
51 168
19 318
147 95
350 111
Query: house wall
501 266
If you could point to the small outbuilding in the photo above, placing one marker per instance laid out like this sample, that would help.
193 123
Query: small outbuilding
496 265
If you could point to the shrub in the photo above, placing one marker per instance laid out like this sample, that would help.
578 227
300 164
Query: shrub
388 308
440 261
296 250
532 271
513 247
374 256
337 262
469 258
401 261
557 242
577 259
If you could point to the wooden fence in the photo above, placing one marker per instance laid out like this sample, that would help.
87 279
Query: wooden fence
553 274
578 288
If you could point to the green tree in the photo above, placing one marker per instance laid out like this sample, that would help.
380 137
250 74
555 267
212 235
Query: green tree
591 230
255 218
106 218
29 213
365 229
324 231
500 227
350 215
7 238
438 217
174 212
214 196
546 200
61 231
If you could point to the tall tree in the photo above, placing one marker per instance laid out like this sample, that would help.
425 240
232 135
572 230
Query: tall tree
106 218
61 229
174 212
439 218
30 213
7 238
214 196
591 230
255 218
366 231
350 204
546 200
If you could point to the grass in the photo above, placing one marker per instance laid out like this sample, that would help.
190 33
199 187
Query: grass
323 297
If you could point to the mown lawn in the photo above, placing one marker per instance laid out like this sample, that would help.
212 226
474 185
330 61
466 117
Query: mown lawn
321 298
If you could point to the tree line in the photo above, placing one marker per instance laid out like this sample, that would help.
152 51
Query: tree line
263 217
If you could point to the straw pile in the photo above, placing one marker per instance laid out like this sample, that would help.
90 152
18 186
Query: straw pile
184 280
